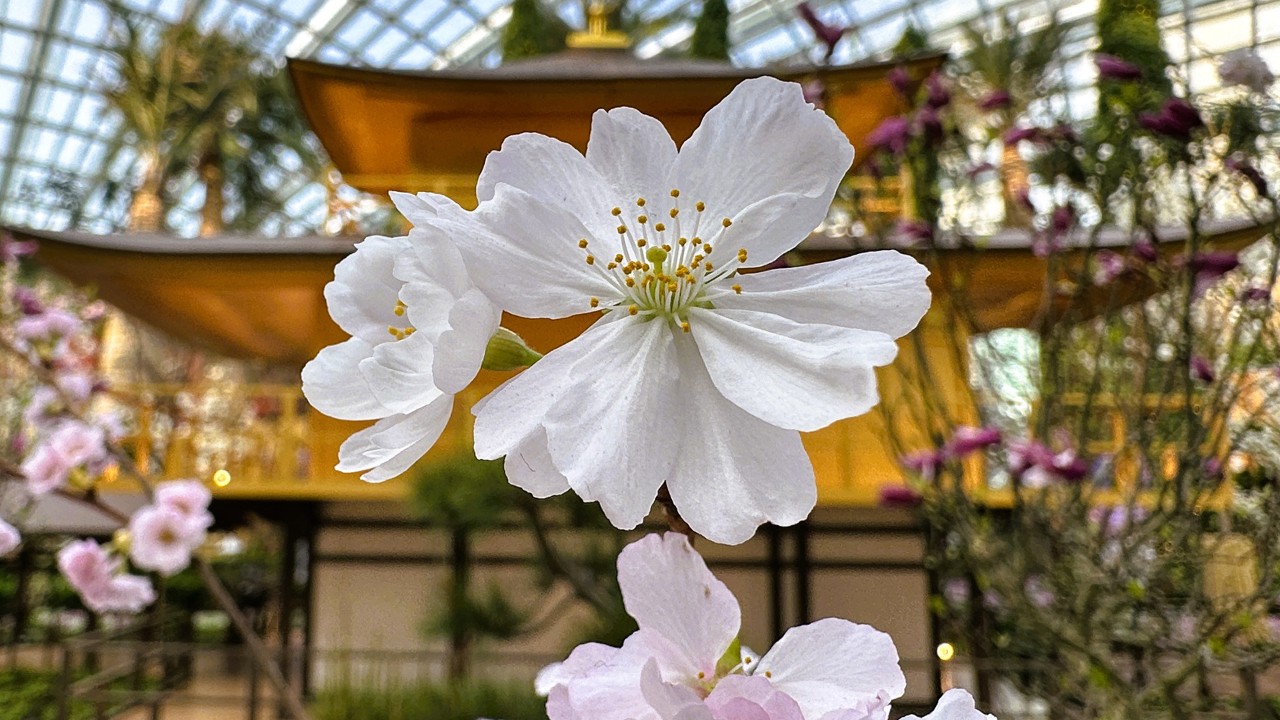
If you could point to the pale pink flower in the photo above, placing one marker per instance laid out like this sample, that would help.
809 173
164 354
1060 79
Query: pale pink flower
954 704
51 324
10 538
80 444
190 498
94 575
1246 68
685 651
162 539
45 469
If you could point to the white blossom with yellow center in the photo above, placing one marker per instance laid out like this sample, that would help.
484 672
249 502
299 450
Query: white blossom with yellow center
695 376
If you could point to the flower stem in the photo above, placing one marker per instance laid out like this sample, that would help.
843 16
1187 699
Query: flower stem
674 521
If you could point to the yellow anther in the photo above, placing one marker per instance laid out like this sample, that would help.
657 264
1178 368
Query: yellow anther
697 259
701 675
682 271
737 289
582 243
685 326
631 282
611 265
674 212
768 673
675 192
617 258
616 211
409 331
659 227
395 332
673 286
700 206
595 302
726 222
666 246
641 242
640 202
400 308
633 309
645 266
684 241
710 267
746 660
706 248
642 219
742 255
591 259
622 229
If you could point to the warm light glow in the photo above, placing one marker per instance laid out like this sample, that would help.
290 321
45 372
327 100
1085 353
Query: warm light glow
222 478
946 651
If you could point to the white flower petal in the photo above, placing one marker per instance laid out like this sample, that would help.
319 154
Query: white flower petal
332 383
668 700
748 471
612 436
399 374
559 707
530 468
633 152
740 695
393 444
761 141
954 704
516 409
459 351
833 664
423 208
608 688
554 173
582 662
362 295
525 254
883 290
668 589
431 257
792 375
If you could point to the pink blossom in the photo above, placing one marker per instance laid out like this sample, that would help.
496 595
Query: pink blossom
937 95
45 469
10 538
11 250
1111 67
1202 369
190 498
94 574
1208 266
924 463
163 538
899 496
996 100
1246 68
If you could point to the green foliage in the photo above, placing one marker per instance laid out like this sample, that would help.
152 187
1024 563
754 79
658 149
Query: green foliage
465 700
33 695
913 42
1005 58
204 108
529 32
463 493
491 615
710 39
1129 30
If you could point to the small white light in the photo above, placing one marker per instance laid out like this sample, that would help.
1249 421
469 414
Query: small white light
946 651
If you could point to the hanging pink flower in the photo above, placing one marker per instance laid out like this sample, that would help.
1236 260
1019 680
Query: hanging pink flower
95 575
163 538
10 538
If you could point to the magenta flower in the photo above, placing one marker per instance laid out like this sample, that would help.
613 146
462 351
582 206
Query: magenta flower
1208 266
929 125
900 79
996 100
828 35
914 232
1256 294
1145 250
891 135
966 440
1176 119
1111 67
1202 369
899 496
924 463
1248 172
11 250
1015 135
1107 266
937 96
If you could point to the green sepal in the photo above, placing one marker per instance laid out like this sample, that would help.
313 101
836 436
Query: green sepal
731 658
508 351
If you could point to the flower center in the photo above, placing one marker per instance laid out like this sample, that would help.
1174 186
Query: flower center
659 268
400 333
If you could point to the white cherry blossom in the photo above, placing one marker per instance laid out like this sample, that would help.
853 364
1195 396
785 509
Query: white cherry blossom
10 538
695 376
683 661
418 331
954 705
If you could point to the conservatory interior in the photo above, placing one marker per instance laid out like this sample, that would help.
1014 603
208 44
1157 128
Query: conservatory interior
977 421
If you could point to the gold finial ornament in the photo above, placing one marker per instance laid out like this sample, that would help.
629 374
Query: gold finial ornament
598 35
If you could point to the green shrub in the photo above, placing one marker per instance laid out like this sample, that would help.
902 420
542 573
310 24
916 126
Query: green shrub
33 695
467 700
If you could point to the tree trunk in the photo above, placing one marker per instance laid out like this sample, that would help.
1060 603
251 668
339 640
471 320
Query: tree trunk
146 210
211 222
462 634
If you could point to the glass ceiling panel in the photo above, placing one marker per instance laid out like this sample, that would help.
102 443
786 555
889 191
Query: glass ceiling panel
55 129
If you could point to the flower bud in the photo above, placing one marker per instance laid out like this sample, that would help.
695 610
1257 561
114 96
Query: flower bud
508 351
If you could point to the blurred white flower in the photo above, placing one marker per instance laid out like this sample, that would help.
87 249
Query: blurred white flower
695 376
1246 68
162 538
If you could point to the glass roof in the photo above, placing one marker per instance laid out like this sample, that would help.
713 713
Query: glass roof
55 126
